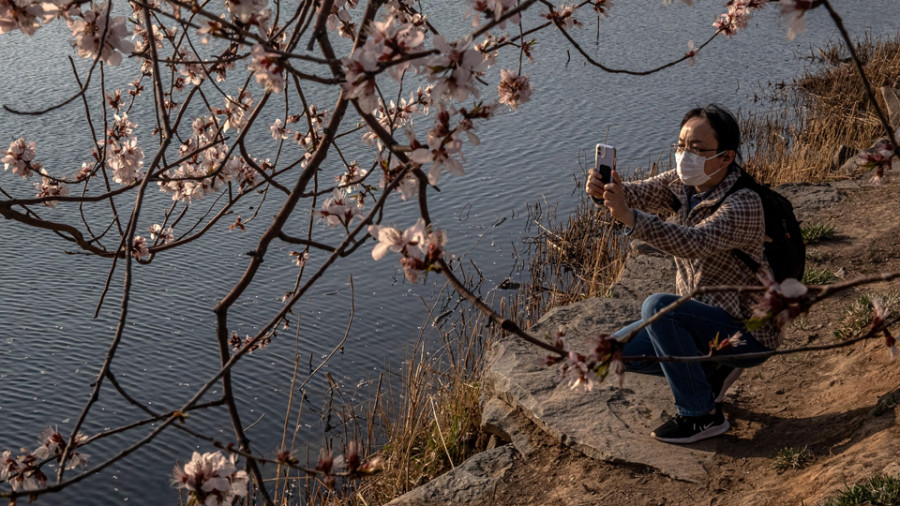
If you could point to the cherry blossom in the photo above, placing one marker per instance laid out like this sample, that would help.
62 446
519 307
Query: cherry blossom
338 209
390 239
22 471
781 301
564 16
513 88
602 7
126 159
359 78
244 9
19 156
349 180
158 233
139 248
89 30
794 10
278 130
408 187
454 70
211 479
736 18
268 67
53 443
494 10
48 187
878 157
14 16
299 258
235 110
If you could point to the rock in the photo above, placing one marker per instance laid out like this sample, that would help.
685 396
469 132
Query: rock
644 275
807 198
841 156
891 97
502 421
607 423
472 482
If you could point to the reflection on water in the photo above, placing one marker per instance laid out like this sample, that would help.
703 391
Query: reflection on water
51 348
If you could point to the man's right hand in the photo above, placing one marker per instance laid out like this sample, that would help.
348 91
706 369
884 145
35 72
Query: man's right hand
594 186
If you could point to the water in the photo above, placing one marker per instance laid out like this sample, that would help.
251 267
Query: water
51 348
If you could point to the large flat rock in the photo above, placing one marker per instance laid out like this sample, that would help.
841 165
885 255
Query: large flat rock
608 423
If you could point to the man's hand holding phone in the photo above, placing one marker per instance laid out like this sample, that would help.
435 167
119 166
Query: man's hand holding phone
605 186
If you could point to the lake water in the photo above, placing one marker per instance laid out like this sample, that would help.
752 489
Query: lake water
51 348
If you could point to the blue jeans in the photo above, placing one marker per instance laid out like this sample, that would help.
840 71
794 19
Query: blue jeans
685 332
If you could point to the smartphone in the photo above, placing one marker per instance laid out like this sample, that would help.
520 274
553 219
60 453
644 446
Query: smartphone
605 161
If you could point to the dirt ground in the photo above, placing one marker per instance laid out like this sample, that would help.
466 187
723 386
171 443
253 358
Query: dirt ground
842 404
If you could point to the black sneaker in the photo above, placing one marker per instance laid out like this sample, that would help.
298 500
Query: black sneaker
689 429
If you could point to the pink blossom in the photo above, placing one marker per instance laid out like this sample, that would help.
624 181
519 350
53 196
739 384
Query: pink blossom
360 79
564 16
349 180
736 18
139 248
88 32
408 186
794 10
126 159
454 69
514 89
48 187
244 9
268 67
494 10
412 266
782 301
279 132
19 156
235 110
22 471
391 40
211 479
338 210
299 258
390 239
53 443
165 235
691 53
23 16
602 7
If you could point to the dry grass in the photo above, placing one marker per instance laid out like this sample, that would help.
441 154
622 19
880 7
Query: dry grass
813 116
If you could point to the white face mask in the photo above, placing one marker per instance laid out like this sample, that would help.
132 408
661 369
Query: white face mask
689 167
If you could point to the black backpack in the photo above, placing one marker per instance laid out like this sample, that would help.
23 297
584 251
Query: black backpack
784 247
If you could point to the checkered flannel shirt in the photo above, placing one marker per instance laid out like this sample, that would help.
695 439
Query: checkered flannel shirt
701 239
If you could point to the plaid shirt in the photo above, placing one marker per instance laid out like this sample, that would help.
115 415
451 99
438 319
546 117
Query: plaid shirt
701 239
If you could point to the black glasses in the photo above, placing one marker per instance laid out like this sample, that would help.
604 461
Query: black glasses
696 151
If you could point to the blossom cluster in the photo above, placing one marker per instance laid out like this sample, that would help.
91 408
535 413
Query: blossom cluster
351 463
23 472
211 479
429 243
879 157
781 302
606 356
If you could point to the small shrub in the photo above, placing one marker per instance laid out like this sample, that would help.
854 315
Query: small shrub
818 276
792 457
878 491
817 232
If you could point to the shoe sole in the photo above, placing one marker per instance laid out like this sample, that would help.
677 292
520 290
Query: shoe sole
729 380
715 430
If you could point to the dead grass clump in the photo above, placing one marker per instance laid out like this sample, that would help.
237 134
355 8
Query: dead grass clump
433 425
572 260
816 114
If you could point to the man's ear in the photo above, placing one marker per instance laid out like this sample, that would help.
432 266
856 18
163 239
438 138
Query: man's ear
729 156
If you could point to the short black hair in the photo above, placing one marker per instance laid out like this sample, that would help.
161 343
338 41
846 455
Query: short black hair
723 123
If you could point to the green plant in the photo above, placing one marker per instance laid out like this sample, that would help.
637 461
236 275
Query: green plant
818 276
878 491
792 457
859 314
817 232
